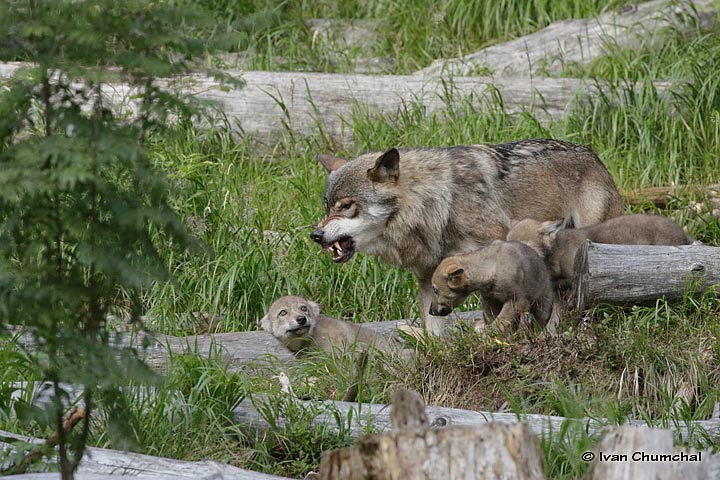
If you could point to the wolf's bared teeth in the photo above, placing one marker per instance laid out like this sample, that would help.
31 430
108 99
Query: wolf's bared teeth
337 248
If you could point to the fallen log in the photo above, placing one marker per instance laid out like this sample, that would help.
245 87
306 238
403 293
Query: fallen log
660 196
579 42
107 463
416 452
276 104
637 274
630 453
357 418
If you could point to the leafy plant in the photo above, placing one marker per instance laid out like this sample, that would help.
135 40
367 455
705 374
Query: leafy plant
83 209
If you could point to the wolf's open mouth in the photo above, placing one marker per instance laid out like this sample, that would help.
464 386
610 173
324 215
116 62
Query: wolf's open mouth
299 330
342 249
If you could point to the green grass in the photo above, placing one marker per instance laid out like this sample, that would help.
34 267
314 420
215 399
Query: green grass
254 210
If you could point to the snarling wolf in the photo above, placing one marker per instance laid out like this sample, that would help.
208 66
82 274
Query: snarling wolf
414 207
559 245
299 324
511 278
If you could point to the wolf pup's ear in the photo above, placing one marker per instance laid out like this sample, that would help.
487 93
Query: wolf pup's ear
265 323
456 278
331 162
316 307
387 167
550 229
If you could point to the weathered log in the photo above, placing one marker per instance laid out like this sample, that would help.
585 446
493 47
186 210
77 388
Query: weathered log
413 451
579 42
272 104
236 349
357 417
660 196
631 453
106 463
636 274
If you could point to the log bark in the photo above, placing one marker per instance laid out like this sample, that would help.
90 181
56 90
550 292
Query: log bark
631 453
273 105
579 42
660 196
101 463
636 274
358 417
414 452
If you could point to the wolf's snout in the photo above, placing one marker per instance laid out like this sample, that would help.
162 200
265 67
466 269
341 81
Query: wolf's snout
317 235
440 310
301 320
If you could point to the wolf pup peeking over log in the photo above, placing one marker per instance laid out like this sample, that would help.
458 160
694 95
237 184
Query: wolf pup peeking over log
559 245
511 278
414 207
298 324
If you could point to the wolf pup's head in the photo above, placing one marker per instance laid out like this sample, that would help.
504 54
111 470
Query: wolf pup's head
292 320
449 286
360 196
540 236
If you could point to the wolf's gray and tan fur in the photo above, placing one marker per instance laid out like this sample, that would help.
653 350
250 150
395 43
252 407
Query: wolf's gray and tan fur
559 245
299 324
415 207
510 277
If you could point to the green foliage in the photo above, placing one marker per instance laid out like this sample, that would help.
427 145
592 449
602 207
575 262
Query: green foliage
83 208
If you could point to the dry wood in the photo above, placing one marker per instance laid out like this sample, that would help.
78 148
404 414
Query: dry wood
631 453
636 274
414 452
579 42
272 104
106 463
356 418
660 196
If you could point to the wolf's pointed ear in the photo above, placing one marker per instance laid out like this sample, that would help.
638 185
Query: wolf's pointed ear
331 162
316 307
265 323
387 167
550 229
456 278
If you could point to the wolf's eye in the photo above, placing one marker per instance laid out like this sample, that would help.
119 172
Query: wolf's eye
346 206
303 308
282 313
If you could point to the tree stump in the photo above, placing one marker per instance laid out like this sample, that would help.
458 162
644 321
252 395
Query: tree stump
636 453
415 452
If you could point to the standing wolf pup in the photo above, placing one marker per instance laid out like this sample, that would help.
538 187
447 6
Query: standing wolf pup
415 207
511 278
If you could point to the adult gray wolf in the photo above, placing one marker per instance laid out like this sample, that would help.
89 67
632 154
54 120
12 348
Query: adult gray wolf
299 324
414 207
511 278
559 245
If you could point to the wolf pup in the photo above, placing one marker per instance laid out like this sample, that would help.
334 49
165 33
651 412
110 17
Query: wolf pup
298 324
415 207
559 245
510 277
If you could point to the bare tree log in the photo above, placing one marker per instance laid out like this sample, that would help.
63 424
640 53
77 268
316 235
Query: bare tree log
635 274
275 104
105 463
412 451
580 42
660 196
358 417
631 453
